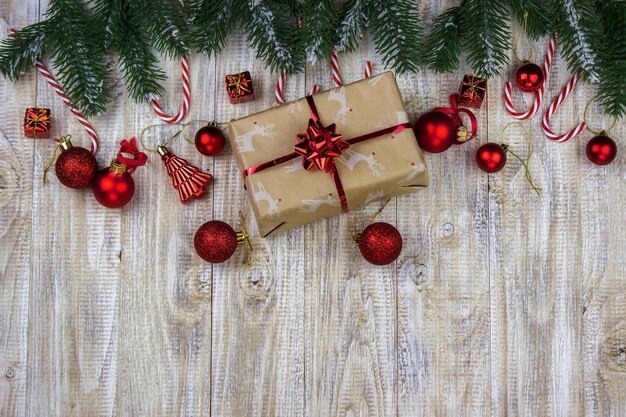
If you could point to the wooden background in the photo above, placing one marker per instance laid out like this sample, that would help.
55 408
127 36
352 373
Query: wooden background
502 303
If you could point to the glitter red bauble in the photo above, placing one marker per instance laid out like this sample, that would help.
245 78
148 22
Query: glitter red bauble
380 243
529 77
215 241
601 150
435 131
210 140
113 187
76 167
491 157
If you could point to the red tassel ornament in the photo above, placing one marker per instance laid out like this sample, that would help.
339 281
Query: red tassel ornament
187 179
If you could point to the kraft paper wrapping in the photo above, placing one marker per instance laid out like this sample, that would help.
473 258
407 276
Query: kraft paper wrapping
287 195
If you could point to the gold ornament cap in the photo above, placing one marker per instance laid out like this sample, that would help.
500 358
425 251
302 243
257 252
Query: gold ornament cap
461 134
162 150
117 167
65 143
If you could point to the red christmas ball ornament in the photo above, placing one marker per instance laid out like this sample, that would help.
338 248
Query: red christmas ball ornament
215 241
76 166
529 77
601 150
380 243
113 187
491 157
435 131
210 140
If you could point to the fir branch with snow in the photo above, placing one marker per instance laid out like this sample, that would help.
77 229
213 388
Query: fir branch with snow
18 53
443 46
397 33
533 16
318 32
485 35
163 22
211 22
353 20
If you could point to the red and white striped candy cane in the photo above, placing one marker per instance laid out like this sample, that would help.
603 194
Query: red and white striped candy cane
184 64
314 89
538 95
545 123
280 86
334 65
52 81
368 69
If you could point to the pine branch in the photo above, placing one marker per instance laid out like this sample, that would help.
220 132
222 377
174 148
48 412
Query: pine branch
612 62
533 16
443 46
75 47
271 30
18 53
397 33
162 21
579 35
353 19
486 35
318 32
212 21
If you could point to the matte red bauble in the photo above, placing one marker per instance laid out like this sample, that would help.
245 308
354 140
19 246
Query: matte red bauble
601 150
491 157
380 243
529 77
113 187
215 241
435 131
210 140
76 166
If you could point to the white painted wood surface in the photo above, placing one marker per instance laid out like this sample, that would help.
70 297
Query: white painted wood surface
502 303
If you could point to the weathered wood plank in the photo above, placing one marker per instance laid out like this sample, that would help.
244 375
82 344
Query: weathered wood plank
16 184
258 338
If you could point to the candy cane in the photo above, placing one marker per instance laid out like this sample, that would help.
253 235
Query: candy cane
334 65
314 89
538 95
280 85
184 63
368 69
52 81
545 123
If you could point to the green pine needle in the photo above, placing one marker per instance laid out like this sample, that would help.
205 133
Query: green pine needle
271 30
612 62
76 53
319 29
533 16
162 22
211 23
443 46
18 53
579 35
397 34
353 20
486 36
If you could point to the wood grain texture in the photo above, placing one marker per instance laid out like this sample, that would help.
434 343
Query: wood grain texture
502 302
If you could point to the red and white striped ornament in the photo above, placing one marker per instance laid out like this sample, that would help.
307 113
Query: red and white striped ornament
186 89
52 81
538 95
556 102
280 86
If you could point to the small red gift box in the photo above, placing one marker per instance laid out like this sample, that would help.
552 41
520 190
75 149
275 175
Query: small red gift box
37 123
472 91
239 87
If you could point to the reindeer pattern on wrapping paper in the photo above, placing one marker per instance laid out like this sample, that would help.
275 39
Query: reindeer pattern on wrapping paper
244 141
262 195
313 205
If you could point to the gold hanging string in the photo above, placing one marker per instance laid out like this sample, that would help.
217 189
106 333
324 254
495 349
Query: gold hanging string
247 259
516 38
370 219
51 160
525 163
183 127
599 132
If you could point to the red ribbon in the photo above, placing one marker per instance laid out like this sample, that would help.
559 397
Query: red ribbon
320 145
454 111
130 147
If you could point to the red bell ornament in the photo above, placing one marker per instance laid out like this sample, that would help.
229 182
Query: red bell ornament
216 241
529 77
187 179
491 157
75 167
601 150
210 140
380 243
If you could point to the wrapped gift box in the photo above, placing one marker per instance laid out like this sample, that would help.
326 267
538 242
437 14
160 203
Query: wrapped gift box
472 91
369 154
37 123
239 87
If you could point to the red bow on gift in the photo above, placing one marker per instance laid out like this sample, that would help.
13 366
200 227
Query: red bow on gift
319 146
